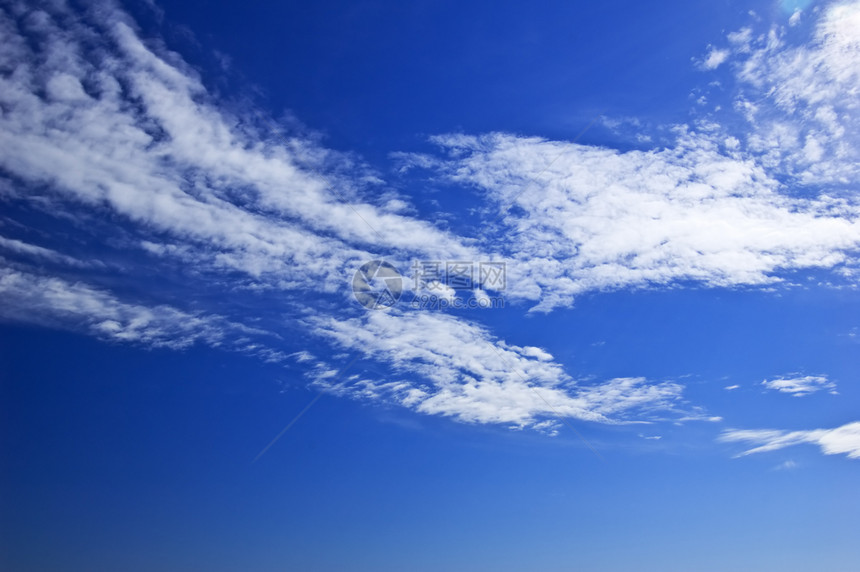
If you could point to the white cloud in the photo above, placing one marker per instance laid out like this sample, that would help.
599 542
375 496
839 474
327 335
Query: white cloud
841 440
131 129
788 465
442 291
56 302
581 218
33 251
800 385
802 98
538 353
549 427
95 119
731 387
740 40
482 299
714 59
794 20
302 356
452 367
145 140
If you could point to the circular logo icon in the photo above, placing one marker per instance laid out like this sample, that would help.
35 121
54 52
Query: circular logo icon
377 285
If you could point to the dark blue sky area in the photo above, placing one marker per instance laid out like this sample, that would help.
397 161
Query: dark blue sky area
379 77
145 462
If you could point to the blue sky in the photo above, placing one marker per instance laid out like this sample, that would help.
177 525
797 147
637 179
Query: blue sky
652 364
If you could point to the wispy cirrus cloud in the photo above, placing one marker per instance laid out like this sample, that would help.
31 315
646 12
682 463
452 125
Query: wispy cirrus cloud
97 119
56 302
715 207
129 127
714 59
582 218
800 385
31 251
442 365
788 465
799 94
844 440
